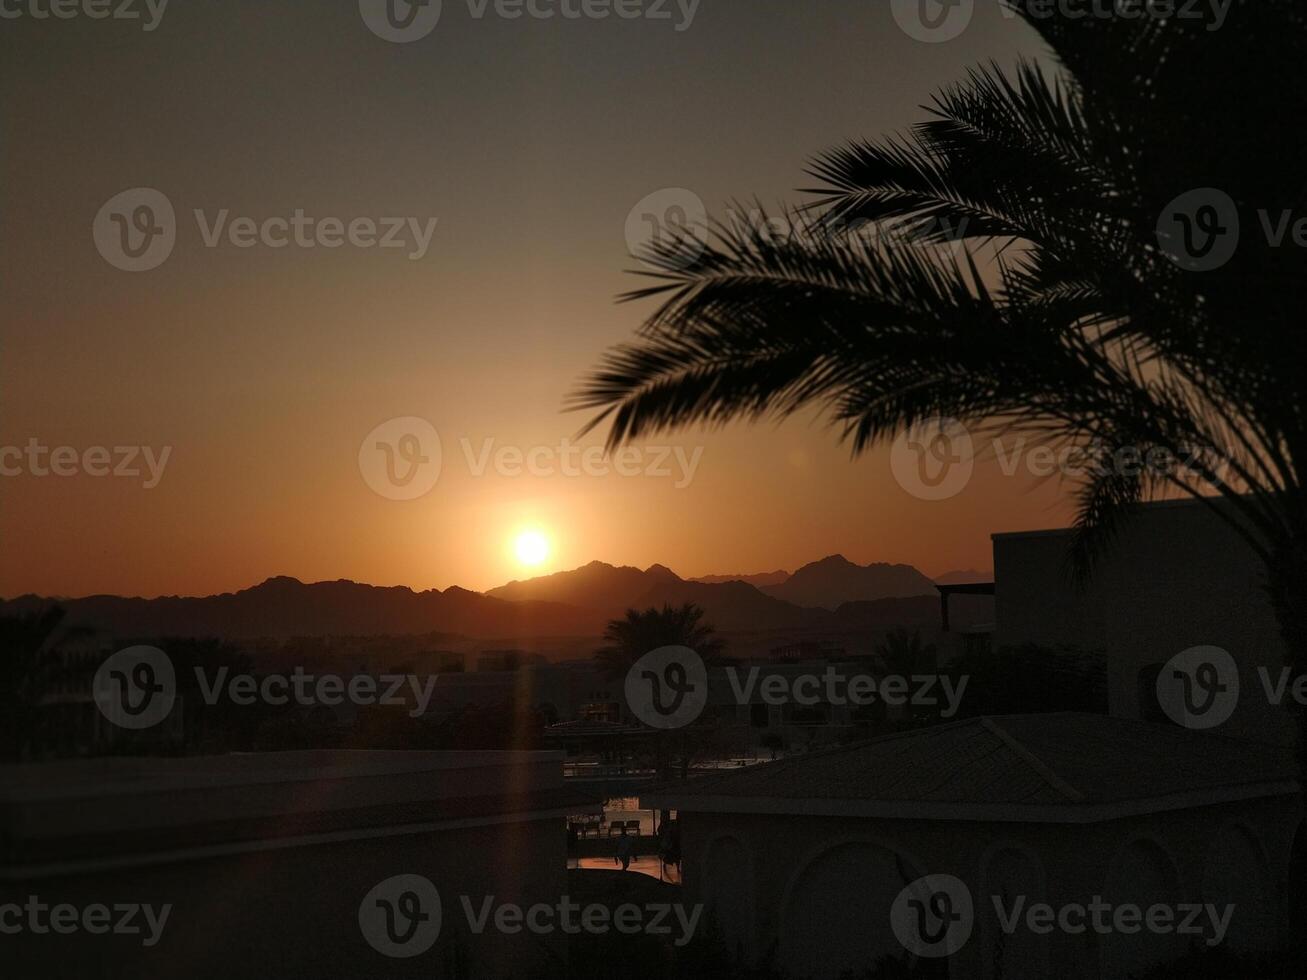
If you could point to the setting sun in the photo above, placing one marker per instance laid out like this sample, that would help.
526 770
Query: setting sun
531 548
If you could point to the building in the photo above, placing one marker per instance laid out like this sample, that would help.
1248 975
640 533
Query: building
802 860
806 860
1177 577
560 692
266 860
738 705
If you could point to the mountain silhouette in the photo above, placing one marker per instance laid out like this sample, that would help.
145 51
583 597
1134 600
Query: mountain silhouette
283 607
597 585
611 590
757 580
963 577
833 581
576 603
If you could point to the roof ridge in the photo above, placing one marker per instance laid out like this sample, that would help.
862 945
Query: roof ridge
830 750
1072 794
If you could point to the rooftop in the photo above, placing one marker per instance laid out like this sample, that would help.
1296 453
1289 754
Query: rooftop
1064 767
121 811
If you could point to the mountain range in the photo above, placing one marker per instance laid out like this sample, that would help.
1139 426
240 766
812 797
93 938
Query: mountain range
828 594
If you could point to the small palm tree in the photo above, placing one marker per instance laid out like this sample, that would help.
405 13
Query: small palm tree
27 670
1034 291
637 633
903 653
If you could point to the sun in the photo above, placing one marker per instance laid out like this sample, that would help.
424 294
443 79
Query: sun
531 548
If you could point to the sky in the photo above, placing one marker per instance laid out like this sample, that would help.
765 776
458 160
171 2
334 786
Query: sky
249 386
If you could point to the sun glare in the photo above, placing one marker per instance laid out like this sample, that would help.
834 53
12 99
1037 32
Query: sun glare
531 548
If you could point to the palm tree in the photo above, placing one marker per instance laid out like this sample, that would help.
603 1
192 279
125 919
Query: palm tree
27 669
1036 290
637 633
904 653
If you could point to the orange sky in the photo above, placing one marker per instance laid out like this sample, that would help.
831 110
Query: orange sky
264 369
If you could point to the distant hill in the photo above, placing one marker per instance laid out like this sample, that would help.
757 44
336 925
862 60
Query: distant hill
283 607
757 581
963 577
915 612
597 585
735 605
611 590
833 581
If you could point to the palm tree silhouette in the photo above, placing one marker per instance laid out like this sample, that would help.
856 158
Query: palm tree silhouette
1036 281
28 669
638 632
903 652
